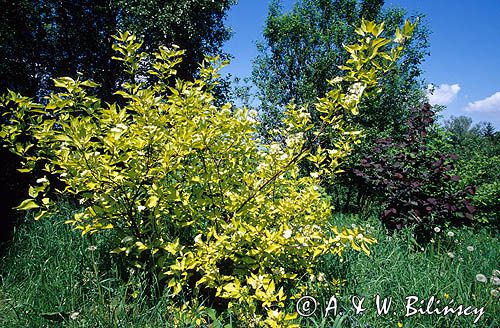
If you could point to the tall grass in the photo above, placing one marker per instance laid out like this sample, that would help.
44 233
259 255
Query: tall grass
52 277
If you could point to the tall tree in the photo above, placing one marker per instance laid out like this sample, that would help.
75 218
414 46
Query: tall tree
41 39
302 50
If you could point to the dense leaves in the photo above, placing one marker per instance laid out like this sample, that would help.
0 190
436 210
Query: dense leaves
415 181
45 38
42 39
478 148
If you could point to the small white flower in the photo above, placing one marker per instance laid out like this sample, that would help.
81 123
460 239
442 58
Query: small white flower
282 271
494 292
63 175
287 233
461 259
275 313
321 276
74 315
437 229
495 281
450 234
283 157
496 273
42 180
481 277
451 255
274 148
470 248
141 208
314 174
312 278
304 115
197 239
360 236
92 248
432 240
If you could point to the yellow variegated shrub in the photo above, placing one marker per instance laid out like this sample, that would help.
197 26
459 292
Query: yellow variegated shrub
191 190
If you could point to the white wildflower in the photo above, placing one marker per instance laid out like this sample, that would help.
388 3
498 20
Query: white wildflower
481 277
451 255
450 234
141 208
321 276
42 180
437 229
470 248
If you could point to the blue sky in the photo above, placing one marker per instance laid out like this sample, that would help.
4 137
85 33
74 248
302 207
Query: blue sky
464 64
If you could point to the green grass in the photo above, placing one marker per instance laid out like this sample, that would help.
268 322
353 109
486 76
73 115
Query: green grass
399 268
50 270
49 273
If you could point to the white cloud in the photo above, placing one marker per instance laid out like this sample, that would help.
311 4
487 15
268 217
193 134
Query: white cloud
489 104
442 95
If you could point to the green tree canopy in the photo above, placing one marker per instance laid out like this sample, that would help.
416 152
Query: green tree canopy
42 39
302 48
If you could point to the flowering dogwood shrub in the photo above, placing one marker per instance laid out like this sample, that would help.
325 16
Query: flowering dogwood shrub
190 189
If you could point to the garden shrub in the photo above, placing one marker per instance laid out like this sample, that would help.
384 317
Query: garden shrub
415 180
189 189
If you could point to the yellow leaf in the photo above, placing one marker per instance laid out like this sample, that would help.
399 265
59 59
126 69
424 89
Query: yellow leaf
28 204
